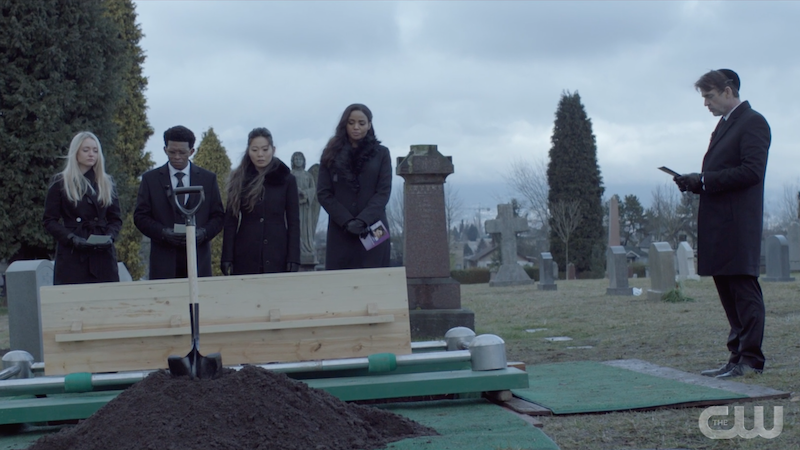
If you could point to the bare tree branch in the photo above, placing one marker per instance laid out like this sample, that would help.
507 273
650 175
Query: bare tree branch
664 218
529 179
453 208
565 218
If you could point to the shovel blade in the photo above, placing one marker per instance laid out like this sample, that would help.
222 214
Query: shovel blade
179 366
209 367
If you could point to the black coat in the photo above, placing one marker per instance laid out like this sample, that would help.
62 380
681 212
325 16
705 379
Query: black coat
365 200
62 217
155 211
729 222
265 239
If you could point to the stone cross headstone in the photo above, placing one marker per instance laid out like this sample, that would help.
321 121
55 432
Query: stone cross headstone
546 274
685 258
662 270
571 274
777 259
794 246
617 267
434 298
507 226
23 279
613 222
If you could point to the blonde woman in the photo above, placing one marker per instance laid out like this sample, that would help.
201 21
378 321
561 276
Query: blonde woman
81 202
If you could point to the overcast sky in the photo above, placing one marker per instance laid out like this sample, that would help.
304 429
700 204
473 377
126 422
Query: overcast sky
481 80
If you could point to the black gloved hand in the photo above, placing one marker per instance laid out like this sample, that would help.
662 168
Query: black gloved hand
356 226
172 238
102 246
78 243
691 182
226 267
200 235
292 267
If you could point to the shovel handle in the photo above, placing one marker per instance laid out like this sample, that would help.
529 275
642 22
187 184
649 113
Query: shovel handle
188 213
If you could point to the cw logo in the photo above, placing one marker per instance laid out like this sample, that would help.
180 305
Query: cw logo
738 423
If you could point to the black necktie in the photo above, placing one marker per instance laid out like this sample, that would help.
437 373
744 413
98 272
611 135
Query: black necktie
182 197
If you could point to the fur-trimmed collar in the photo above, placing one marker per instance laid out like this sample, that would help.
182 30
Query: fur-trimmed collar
350 161
276 173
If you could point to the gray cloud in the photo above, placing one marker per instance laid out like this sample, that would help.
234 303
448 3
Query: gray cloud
480 79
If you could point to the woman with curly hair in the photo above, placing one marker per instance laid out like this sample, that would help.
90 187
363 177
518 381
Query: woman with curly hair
81 202
354 185
262 218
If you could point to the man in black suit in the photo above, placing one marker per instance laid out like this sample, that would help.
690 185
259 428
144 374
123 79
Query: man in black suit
156 214
729 224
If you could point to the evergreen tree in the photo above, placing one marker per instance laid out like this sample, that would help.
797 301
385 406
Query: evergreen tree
574 176
133 131
631 219
211 155
60 75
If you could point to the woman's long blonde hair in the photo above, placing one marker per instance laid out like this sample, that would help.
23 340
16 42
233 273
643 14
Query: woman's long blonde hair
75 184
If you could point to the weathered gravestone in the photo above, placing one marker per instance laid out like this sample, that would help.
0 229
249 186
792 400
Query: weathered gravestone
613 222
507 226
23 279
794 246
685 258
434 298
617 267
662 270
546 274
571 275
777 259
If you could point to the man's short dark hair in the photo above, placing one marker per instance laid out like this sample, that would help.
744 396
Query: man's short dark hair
179 133
719 80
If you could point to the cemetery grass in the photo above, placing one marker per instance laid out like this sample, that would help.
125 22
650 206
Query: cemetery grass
688 336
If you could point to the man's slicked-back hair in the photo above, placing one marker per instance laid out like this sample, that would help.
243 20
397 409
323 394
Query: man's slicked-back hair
179 133
719 80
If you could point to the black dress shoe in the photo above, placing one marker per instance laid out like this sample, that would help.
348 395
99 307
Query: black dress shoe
720 371
740 370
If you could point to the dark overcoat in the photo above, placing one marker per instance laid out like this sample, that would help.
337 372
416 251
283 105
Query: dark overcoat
155 210
62 217
265 239
730 216
345 200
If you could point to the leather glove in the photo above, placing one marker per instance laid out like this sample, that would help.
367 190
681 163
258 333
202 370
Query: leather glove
292 267
200 235
172 238
78 243
226 267
356 226
102 247
691 182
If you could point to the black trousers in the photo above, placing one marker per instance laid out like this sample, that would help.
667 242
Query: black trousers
744 305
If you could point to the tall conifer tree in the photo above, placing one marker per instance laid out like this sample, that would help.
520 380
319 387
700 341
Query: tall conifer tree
211 155
60 75
133 131
573 175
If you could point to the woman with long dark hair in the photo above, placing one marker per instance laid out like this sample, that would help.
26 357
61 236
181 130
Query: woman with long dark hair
262 218
354 185
81 202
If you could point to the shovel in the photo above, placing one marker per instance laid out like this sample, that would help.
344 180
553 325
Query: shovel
193 364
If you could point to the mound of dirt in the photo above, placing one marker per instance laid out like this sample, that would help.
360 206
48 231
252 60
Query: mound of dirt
249 409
